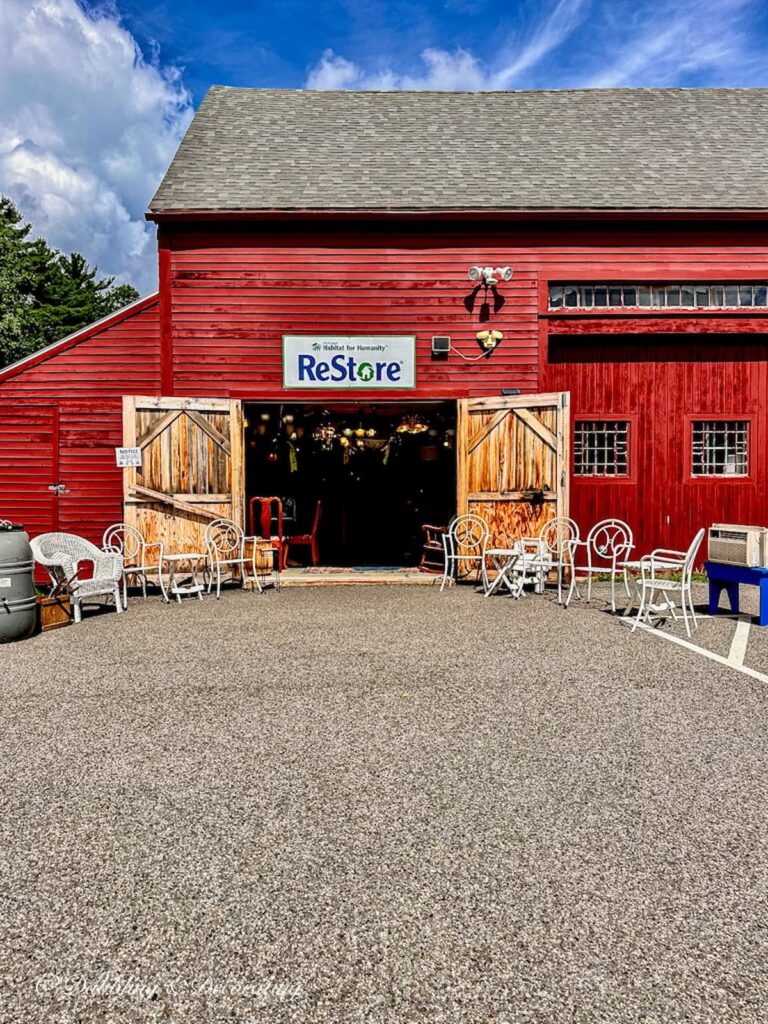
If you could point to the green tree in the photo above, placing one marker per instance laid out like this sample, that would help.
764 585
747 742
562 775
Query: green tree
44 294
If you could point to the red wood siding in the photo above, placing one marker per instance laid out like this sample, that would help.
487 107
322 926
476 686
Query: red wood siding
660 384
29 466
236 292
84 383
230 291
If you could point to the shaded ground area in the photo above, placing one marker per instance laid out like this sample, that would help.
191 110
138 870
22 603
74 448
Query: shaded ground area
379 805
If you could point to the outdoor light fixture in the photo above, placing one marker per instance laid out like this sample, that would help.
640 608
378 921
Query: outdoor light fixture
488 340
490 275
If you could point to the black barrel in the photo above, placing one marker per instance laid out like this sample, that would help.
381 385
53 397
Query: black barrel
18 612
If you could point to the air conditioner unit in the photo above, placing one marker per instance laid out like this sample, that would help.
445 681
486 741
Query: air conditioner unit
738 545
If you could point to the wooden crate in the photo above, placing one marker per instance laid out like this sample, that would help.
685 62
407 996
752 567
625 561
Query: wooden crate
54 612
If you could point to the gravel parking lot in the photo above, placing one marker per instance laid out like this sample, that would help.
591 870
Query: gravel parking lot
384 805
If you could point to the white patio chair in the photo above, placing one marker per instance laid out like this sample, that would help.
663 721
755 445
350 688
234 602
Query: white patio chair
555 538
137 560
607 548
60 553
225 544
654 580
464 542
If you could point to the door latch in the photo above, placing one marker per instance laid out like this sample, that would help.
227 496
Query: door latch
58 489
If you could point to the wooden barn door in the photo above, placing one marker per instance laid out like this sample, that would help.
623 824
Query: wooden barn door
513 462
191 467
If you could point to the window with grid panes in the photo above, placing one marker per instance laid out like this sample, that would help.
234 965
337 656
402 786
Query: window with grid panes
601 448
720 447
700 295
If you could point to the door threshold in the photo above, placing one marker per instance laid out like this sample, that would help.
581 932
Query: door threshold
332 575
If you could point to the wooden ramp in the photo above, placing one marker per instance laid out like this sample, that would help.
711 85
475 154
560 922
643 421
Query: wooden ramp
335 576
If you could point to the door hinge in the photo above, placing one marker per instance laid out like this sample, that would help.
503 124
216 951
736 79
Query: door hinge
58 489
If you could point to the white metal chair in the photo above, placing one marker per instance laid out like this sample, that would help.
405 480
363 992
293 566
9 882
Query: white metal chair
225 544
555 538
129 542
654 579
607 547
464 542
61 553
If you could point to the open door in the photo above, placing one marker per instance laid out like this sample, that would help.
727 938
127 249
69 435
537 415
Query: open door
191 467
513 457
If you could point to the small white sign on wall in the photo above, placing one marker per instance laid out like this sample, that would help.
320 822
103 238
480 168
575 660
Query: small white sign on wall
323 361
128 457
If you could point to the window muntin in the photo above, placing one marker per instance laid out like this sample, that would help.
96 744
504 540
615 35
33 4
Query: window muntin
719 447
700 295
601 448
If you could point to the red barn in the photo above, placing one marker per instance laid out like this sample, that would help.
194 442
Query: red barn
316 329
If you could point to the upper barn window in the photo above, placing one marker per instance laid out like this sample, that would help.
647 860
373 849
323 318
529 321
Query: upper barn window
697 295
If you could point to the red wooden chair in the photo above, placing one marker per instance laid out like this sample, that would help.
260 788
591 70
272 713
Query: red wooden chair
433 550
307 539
269 509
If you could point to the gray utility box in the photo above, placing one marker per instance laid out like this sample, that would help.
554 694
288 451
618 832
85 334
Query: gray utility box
18 607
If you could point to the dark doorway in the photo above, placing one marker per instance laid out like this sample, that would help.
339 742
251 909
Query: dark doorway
379 471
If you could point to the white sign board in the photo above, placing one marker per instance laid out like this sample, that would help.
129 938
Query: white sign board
351 363
128 457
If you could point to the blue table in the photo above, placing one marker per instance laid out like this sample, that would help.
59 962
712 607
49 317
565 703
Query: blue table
728 577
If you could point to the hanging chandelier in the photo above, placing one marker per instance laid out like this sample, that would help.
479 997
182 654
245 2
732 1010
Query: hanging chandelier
412 424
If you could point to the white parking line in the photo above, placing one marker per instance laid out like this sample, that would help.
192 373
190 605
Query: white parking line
739 643
702 650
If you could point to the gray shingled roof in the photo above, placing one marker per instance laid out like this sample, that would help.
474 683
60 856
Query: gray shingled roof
260 149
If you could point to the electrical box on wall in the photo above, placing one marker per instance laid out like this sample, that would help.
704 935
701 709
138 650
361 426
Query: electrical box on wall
441 345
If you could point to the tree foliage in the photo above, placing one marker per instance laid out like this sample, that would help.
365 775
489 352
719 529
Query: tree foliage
45 295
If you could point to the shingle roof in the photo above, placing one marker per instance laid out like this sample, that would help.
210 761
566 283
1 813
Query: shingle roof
260 149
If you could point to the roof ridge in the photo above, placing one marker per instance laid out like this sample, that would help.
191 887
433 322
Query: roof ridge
594 90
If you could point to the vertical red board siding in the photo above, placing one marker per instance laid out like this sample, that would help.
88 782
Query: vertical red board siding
29 466
84 383
661 385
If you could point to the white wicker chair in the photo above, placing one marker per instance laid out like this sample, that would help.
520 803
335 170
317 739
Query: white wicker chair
226 543
60 553
137 561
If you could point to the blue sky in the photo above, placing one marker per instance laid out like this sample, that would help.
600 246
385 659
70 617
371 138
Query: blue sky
96 94
490 43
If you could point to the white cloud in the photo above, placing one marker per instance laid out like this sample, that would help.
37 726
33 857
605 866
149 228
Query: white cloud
555 28
709 38
459 68
443 70
585 44
87 127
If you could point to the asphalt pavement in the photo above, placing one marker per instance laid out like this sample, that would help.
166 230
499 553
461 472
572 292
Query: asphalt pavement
382 805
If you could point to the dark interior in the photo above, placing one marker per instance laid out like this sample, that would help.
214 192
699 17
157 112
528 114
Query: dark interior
380 471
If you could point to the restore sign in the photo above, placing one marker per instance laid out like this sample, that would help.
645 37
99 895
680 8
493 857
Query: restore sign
322 361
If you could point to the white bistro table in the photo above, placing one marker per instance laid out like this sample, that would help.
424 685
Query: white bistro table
182 581
512 567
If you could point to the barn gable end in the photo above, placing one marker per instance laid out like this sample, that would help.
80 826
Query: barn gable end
61 419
